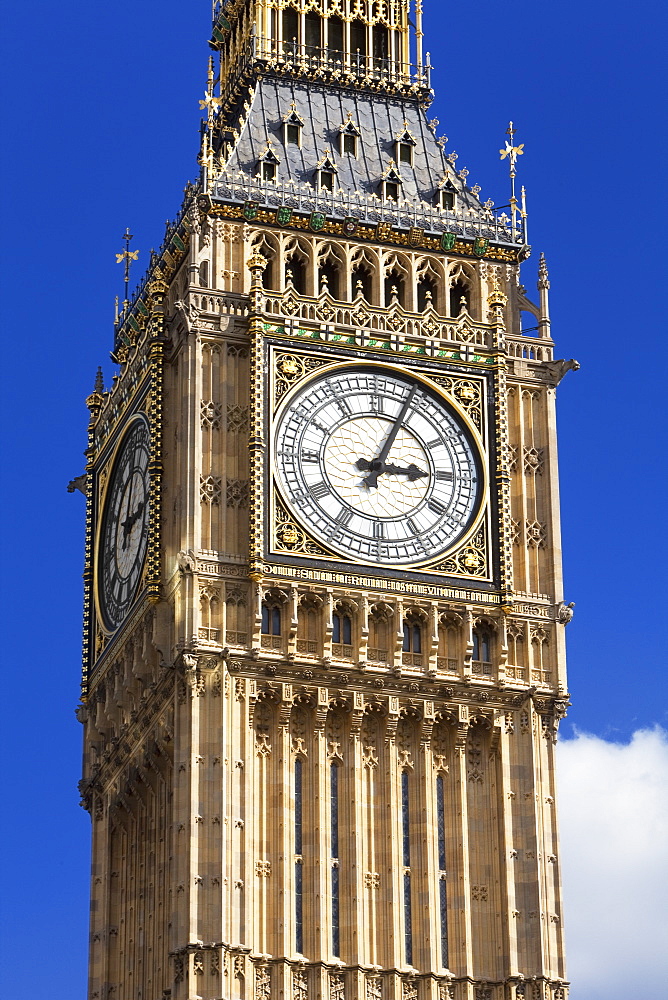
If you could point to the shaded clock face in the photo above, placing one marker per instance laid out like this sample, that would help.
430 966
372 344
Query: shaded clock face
124 536
377 467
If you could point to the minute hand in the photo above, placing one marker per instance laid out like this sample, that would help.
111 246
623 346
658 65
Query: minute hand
372 479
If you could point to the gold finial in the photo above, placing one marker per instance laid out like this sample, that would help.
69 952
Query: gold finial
512 152
126 256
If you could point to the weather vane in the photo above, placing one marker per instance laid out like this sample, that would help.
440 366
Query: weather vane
127 256
512 152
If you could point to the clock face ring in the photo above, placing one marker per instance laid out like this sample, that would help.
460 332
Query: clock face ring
378 465
123 538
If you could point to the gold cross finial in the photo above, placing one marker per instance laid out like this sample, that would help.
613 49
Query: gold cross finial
510 150
127 256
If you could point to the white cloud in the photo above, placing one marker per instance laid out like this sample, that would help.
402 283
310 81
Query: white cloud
614 852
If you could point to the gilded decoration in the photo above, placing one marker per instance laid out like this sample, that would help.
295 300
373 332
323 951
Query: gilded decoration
471 559
467 393
289 369
290 536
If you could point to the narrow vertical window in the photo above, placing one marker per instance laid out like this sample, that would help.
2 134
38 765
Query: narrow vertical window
334 853
406 845
299 897
442 874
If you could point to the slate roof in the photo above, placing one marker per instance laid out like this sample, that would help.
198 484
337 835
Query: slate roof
324 109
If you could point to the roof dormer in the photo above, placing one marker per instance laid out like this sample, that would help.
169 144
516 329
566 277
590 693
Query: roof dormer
326 172
267 164
391 183
446 195
405 143
293 123
349 135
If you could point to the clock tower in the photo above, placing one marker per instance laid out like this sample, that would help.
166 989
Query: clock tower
324 621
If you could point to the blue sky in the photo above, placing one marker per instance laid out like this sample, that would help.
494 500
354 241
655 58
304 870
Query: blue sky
100 129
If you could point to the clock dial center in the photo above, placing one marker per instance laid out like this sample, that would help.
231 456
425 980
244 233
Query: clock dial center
395 494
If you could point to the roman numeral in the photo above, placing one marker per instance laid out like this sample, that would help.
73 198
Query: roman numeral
378 529
343 407
436 443
319 491
310 456
444 477
437 507
413 526
344 517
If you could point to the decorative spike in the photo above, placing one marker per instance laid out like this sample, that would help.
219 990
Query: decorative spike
99 382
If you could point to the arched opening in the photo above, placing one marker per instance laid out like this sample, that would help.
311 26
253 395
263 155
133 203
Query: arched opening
313 29
295 272
342 631
413 640
204 274
482 650
395 285
361 282
308 625
427 292
290 30
381 37
329 276
271 625
449 644
358 43
378 650
335 38
460 298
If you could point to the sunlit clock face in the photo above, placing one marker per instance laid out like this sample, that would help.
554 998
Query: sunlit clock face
377 467
124 534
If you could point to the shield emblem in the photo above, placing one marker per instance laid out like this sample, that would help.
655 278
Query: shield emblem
383 230
448 240
251 210
283 215
480 245
205 203
317 221
350 226
415 236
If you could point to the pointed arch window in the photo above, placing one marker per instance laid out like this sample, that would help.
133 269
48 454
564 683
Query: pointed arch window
380 625
482 650
413 639
342 631
308 625
272 621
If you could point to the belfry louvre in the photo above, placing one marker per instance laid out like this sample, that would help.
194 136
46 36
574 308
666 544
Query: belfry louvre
324 620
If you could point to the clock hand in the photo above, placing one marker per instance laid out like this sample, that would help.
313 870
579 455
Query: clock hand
412 472
381 468
377 467
130 521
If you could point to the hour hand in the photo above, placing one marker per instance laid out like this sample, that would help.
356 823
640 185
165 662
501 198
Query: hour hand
412 472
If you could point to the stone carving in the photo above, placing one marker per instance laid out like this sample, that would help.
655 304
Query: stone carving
374 988
337 988
533 461
263 869
198 963
186 561
237 419
237 493
210 414
210 489
299 985
536 534
179 970
565 613
409 990
262 984
372 880
479 893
